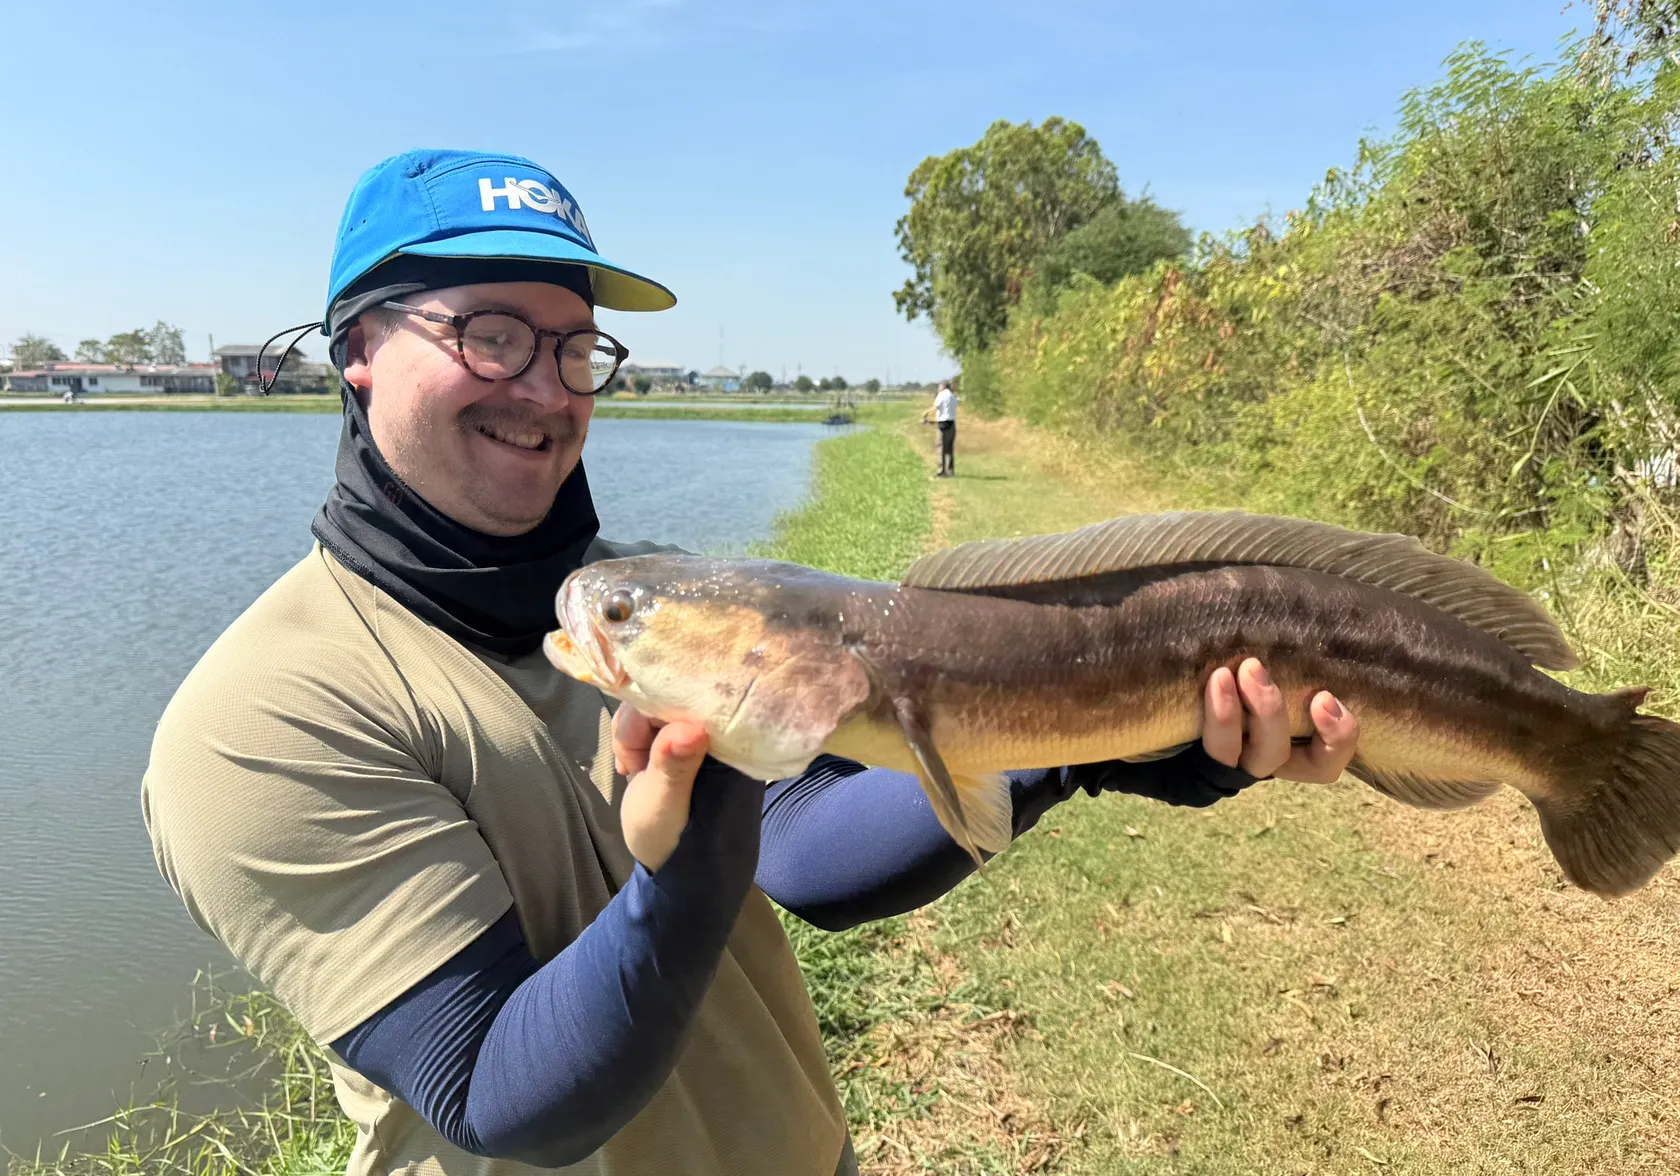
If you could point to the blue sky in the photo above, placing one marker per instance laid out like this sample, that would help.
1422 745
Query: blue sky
189 161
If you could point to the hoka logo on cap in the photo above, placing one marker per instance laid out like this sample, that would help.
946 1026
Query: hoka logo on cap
535 195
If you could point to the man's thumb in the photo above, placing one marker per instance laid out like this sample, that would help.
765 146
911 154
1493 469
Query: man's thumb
678 750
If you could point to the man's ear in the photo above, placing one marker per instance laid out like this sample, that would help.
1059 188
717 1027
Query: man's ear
358 364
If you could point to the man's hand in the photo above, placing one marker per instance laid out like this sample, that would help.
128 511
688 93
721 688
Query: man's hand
660 762
1248 698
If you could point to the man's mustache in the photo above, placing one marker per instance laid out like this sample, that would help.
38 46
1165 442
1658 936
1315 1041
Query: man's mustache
558 427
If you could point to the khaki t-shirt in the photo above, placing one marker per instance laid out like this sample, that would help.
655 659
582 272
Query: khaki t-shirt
345 796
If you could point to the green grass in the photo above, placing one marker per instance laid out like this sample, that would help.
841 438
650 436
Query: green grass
868 514
238 1040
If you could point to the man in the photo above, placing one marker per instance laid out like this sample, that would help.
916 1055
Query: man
944 412
528 932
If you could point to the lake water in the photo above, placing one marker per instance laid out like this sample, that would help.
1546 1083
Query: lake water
128 541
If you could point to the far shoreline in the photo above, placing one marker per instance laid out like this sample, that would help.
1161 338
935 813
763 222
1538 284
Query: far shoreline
639 409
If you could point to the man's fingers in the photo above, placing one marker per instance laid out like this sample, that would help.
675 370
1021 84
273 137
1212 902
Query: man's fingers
667 778
656 799
632 737
1222 721
678 749
1267 746
1333 744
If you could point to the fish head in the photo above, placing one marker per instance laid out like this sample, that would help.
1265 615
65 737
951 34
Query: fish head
752 650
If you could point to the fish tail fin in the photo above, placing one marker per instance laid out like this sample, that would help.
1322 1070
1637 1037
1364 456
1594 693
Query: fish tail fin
1614 830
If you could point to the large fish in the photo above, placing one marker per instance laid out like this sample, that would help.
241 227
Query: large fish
1097 644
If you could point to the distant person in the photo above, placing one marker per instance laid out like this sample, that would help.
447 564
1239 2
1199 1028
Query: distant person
534 930
944 412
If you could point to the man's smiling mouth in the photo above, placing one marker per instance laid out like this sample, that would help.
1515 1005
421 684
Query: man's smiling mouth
533 440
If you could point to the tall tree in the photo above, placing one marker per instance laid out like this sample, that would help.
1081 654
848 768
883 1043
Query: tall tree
1124 237
130 347
90 351
32 351
979 216
165 343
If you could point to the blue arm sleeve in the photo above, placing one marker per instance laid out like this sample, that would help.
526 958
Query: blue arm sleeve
844 844
544 1063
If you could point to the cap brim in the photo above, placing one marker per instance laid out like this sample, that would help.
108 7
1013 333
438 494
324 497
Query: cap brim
615 288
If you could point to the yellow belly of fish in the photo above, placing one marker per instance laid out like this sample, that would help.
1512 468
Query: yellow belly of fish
1387 742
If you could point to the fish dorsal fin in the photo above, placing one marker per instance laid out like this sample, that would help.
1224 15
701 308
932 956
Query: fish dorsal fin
1134 542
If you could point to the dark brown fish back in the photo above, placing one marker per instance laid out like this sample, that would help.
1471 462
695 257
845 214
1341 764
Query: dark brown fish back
1395 562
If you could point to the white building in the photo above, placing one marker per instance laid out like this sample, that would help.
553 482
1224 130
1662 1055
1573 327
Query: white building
658 371
148 379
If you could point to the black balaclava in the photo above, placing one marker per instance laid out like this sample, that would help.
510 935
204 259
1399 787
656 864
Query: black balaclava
489 591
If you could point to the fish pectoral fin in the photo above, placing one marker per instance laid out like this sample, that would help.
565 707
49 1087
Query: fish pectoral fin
976 811
1424 791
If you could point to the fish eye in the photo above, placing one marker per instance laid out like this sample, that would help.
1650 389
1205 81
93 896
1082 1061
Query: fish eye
618 607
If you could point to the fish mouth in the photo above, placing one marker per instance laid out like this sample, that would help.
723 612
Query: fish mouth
579 649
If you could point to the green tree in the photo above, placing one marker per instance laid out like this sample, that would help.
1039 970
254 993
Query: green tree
131 347
90 351
32 351
1124 237
872 386
980 216
165 344
803 384
643 385
759 382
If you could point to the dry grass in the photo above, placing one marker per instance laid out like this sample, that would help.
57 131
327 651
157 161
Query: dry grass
970 1114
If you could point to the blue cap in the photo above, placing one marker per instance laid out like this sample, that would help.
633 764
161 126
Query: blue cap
478 205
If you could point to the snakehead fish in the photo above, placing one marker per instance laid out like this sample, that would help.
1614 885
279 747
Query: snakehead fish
1097 644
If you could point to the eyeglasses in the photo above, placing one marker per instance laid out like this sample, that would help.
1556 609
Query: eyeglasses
496 345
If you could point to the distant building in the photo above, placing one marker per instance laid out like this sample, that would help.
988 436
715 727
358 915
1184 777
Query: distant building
657 371
145 379
239 360
720 378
